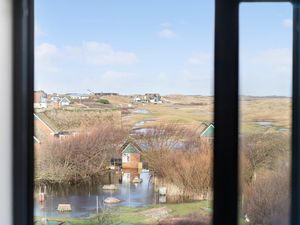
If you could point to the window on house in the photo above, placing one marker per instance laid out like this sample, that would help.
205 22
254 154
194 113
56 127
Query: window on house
265 112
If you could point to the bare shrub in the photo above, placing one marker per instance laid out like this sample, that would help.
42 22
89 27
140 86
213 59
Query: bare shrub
178 156
263 149
265 178
267 198
79 158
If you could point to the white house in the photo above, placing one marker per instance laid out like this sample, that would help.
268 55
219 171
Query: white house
64 101
78 96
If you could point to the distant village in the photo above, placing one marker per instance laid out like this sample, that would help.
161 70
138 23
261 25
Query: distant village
42 100
44 129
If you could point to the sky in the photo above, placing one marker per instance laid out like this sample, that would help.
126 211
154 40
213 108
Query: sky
164 46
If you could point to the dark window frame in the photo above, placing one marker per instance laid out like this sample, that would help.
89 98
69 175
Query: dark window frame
226 112
226 160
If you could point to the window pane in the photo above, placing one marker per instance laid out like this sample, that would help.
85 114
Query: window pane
265 112
124 111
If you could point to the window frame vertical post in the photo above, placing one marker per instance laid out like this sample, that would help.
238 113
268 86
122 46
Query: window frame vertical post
226 113
295 180
23 69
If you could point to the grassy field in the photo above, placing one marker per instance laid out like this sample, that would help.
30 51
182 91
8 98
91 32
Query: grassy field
141 216
192 111
274 110
257 114
187 110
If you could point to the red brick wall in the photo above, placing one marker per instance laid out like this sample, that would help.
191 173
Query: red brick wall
135 158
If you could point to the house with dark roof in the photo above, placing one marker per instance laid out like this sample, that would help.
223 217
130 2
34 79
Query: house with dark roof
131 155
42 130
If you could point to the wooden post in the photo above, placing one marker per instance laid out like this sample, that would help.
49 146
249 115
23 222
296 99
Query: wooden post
97 204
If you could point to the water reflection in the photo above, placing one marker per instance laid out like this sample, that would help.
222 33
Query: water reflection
83 198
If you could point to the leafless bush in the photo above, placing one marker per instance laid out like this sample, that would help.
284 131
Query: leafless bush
78 158
262 150
178 156
265 178
267 198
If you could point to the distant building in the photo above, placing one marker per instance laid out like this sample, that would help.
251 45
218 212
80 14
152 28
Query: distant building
131 156
60 101
40 100
148 98
153 98
106 94
55 99
78 96
138 98
64 101
207 130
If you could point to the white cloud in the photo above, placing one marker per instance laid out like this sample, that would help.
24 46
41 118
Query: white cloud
38 31
46 57
101 54
90 53
115 75
165 24
167 33
200 59
267 72
45 49
288 23
64 67
277 60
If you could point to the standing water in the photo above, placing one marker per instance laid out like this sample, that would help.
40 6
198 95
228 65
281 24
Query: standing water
83 199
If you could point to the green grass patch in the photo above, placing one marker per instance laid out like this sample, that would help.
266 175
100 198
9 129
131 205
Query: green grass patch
134 215
103 101
185 209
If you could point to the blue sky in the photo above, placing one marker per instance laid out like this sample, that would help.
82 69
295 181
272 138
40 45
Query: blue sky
165 46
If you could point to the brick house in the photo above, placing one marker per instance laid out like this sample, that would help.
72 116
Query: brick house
131 156
42 131
40 100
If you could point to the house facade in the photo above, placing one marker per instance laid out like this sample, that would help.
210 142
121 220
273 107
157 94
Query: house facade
131 156
40 100
64 101
78 96
154 98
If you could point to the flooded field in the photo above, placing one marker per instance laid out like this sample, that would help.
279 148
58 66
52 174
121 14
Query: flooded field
83 199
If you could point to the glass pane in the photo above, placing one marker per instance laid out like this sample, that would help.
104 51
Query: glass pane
265 112
123 111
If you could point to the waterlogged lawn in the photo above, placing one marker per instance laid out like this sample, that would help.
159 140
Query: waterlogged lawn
140 216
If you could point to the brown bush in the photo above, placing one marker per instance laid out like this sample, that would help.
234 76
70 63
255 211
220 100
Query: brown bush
267 198
178 156
262 150
78 158
265 178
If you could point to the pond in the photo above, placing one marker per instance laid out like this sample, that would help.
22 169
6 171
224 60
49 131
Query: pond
83 199
142 123
143 131
141 111
265 124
